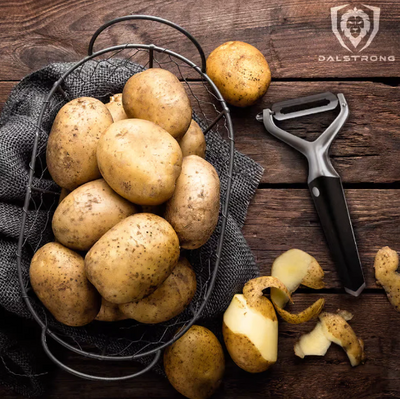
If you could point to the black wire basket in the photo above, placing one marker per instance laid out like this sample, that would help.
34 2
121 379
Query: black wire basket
142 342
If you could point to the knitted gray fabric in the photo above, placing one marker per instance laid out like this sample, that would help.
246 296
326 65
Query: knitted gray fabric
18 127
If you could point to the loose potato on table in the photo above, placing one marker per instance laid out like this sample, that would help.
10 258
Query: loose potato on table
193 142
71 148
240 72
157 95
116 108
58 278
133 258
168 300
195 363
140 161
194 208
87 213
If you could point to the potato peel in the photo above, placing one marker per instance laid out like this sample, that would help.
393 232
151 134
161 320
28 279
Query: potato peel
386 264
307 314
295 268
253 291
331 328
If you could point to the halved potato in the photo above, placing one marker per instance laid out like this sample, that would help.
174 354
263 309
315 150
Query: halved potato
292 268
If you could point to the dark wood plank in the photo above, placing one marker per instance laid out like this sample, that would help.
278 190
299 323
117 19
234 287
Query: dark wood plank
375 321
280 219
292 35
366 150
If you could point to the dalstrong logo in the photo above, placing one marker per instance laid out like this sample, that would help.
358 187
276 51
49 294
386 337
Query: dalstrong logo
355 27
352 25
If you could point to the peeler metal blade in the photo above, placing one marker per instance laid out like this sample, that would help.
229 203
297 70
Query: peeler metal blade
295 108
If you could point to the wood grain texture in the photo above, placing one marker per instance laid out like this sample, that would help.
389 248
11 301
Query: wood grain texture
280 219
375 321
291 34
367 150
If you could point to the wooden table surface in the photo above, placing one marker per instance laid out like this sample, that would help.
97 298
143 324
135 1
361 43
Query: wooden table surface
294 35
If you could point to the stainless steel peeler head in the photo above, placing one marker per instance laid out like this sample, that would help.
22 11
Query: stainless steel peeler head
317 150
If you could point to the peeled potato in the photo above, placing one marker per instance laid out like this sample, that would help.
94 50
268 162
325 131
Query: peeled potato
332 328
292 268
195 363
240 72
250 326
168 300
116 108
386 265
193 142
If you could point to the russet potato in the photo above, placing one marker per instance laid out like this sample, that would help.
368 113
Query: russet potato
140 161
116 108
168 300
193 209
58 278
158 96
71 148
87 213
240 72
195 363
193 142
133 258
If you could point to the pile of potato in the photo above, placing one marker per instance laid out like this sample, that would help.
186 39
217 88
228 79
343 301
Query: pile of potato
136 191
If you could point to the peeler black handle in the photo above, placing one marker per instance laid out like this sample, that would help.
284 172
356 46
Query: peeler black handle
330 203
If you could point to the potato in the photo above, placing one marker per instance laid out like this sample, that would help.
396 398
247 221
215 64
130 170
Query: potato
332 328
110 312
168 300
156 95
240 72
64 192
250 326
193 142
133 258
386 265
116 108
58 278
87 213
194 208
292 268
140 161
195 363
72 144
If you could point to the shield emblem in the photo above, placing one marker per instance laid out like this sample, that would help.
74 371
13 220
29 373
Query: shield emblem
355 28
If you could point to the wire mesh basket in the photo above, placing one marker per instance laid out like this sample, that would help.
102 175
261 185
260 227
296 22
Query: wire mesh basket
127 340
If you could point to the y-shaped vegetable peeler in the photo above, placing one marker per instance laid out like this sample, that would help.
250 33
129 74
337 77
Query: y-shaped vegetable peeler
323 181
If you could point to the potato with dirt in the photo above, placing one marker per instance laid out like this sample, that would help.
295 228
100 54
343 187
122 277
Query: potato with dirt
140 161
133 258
72 145
58 278
158 96
193 209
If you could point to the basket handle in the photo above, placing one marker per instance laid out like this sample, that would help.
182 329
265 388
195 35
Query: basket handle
150 18
94 377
